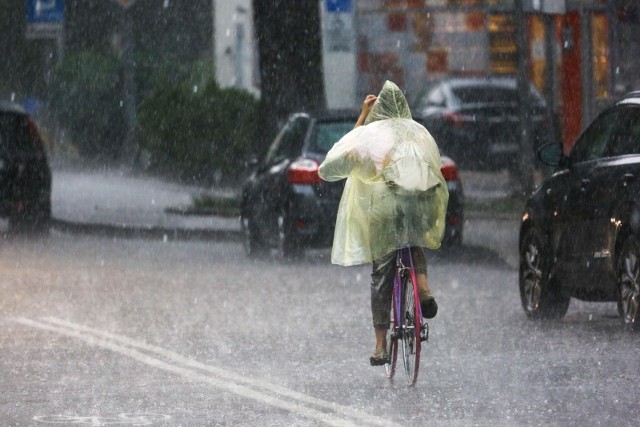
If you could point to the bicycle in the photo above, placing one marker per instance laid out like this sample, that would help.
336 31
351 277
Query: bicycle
407 324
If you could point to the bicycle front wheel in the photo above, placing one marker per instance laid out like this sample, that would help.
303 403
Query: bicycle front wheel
410 329
392 343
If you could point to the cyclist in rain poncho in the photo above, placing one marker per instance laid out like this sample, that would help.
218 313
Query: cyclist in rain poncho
395 196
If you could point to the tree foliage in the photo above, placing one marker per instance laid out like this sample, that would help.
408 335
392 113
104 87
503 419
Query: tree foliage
197 132
86 96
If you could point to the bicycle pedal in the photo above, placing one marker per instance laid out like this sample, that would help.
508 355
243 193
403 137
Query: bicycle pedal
424 333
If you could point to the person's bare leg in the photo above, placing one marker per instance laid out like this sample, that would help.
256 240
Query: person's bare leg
429 305
381 289
419 261
380 356
423 283
381 339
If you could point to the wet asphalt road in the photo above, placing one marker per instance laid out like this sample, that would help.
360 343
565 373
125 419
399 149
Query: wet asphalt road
110 331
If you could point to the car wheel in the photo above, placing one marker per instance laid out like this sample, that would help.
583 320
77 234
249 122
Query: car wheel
251 242
35 221
539 293
287 247
628 278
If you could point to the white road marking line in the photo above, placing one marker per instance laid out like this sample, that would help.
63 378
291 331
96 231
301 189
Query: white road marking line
255 389
136 419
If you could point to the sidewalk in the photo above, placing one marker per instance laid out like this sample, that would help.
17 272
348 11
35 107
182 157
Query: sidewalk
116 203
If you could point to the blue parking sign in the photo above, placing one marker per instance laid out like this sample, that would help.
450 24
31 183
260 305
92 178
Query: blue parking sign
45 11
340 6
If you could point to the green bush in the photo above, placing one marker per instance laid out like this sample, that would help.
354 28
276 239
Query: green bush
196 131
191 128
154 68
87 99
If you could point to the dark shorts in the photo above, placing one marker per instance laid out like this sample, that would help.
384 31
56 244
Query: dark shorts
382 284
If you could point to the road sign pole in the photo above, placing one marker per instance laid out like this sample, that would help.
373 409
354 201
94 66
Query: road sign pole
128 150
525 157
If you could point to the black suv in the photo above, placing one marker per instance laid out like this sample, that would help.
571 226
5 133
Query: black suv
580 231
285 205
25 177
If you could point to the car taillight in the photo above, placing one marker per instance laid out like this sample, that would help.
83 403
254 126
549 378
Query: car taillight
455 119
33 130
35 137
303 171
449 171
453 219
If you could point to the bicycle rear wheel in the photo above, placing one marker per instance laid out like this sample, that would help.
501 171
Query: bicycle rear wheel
392 343
410 329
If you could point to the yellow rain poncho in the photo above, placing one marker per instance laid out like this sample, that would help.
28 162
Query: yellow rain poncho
395 194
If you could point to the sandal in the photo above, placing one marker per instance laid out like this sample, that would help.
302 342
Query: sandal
379 357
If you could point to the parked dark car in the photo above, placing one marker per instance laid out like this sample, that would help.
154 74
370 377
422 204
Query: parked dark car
477 120
25 177
285 205
580 231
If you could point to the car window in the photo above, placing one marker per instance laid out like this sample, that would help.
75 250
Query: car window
593 143
3 143
436 98
289 141
627 139
24 137
493 95
9 133
15 134
477 95
328 133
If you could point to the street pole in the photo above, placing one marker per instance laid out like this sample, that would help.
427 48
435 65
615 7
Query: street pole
128 148
213 34
526 155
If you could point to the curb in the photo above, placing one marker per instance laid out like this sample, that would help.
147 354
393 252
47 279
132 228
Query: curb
125 231
189 211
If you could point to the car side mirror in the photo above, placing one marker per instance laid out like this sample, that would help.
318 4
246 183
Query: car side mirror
253 165
551 154
252 162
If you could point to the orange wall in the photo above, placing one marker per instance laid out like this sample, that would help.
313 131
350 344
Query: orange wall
571 80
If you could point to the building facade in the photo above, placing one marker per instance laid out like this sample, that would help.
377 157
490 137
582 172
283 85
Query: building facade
581 54
235 46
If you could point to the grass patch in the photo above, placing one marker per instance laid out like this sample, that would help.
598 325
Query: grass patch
223 206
